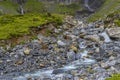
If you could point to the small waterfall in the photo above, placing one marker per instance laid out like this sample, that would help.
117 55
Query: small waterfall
21 9
86 4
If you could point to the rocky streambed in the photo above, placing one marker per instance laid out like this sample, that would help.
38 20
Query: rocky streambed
80 51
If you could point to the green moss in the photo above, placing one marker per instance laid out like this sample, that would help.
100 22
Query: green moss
107 8
114 77
117 22
18 25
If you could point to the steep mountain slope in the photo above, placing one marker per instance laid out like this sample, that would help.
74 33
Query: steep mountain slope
107 8
8 7
36 6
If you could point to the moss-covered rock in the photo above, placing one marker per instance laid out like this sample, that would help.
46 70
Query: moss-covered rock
114 77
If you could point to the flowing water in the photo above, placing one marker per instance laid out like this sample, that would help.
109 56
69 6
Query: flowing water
53 73
106 37
86 4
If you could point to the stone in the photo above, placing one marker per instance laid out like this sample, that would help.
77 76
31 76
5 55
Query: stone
82 35
40 37
71 55
74 48
57 49
94 38
1 61
20 62
41 65
27 51
73 72
114 32
97 50
104 65
61 43
58 71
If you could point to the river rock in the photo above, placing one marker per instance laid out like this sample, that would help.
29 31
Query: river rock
114 32
27 51
74 48
61 43
94 38
71 55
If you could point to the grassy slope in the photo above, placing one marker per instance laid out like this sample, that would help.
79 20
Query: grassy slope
39 7
108 7
8 7
18 25
52 8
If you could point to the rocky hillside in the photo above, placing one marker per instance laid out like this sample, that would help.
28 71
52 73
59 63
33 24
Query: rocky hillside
52 6
46 42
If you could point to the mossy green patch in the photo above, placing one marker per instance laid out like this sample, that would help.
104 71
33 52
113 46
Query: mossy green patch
18 25
113 18
107 8
114 77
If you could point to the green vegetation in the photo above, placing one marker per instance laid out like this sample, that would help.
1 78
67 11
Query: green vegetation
107 8
51 8
114 77
33 6
8 7
68 9
113 18
18 25
116 20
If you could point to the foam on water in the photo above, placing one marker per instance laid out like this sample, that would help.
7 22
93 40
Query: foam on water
71 66
106 37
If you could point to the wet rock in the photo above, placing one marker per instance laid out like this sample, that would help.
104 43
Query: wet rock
58 71
105 65
61 43
71 55
78 55
82 45
114 32
20 52
105 36
2 50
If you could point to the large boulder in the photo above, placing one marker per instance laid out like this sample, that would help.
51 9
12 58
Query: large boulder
114 32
